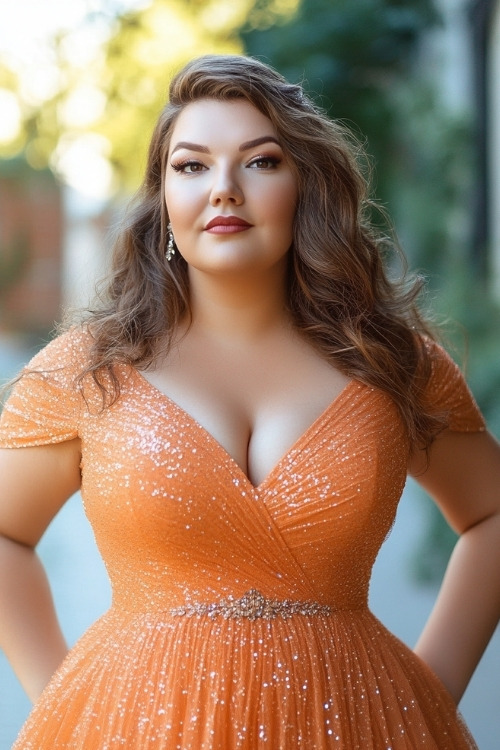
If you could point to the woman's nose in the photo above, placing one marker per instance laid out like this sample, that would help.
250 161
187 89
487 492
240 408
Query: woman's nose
226 188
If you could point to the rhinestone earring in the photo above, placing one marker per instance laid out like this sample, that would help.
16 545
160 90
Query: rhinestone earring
170 251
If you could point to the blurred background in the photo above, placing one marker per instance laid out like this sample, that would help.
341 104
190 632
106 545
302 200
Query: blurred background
81 85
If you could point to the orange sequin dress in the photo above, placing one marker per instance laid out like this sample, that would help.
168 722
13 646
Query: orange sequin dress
239 616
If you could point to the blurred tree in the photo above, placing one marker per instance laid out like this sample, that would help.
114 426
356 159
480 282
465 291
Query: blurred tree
106 80
148 46
353 55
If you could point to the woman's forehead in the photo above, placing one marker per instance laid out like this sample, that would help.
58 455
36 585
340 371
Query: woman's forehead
226 121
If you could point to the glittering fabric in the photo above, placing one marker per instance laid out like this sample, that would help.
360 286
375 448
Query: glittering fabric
252 605
180 526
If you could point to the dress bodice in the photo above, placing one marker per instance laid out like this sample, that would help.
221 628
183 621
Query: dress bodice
239 615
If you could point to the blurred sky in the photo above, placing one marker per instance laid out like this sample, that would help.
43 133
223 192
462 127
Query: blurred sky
25 25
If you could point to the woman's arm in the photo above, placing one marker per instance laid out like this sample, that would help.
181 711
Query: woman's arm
463 476
34 484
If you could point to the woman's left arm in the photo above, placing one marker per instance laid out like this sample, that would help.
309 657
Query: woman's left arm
462 474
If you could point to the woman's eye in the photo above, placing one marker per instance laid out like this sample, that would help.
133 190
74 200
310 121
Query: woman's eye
265 162
188 167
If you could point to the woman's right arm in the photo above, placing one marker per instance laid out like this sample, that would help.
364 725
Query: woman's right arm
34 484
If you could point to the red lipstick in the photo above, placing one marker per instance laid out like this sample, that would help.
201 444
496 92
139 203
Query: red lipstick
227 225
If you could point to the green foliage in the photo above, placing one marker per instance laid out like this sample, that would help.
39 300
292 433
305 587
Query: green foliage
145 49
353 55
474 340
431 187
116 90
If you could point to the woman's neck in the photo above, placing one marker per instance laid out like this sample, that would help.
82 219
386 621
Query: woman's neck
240 308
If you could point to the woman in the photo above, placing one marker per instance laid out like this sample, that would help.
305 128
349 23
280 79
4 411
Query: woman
241 413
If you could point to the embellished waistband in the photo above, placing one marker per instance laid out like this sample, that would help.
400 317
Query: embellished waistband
253 605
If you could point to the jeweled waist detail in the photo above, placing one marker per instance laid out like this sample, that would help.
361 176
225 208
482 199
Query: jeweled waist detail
252 606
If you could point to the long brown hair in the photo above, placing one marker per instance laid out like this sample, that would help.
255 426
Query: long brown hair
339 293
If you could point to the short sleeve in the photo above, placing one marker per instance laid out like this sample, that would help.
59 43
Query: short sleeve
448 393
45 404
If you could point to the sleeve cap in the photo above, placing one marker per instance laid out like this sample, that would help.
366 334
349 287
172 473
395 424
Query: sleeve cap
45 403
447 392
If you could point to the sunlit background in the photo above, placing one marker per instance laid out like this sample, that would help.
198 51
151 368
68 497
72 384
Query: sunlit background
81 85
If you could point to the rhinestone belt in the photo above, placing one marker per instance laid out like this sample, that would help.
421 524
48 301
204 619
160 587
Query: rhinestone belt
253 605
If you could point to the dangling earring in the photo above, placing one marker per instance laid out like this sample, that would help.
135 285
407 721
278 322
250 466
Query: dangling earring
170 251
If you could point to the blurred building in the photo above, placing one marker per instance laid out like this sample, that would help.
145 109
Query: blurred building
52 249
31 248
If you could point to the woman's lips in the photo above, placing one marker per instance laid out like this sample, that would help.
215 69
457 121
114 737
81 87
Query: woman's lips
227 225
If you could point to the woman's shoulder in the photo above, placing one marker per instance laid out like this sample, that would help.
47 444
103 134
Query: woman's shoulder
44 404
444 370
65 355
447 390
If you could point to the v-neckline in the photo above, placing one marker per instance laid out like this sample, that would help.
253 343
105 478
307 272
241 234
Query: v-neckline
235 467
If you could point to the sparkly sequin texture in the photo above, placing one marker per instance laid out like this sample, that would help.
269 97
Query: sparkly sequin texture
252 605
239 616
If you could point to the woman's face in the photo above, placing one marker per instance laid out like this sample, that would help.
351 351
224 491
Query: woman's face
230 193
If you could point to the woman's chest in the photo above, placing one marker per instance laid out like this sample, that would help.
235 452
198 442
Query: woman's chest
157 486
256 402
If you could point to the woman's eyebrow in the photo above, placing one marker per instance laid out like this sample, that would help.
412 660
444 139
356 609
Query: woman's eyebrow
191 147
258 142
244 146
